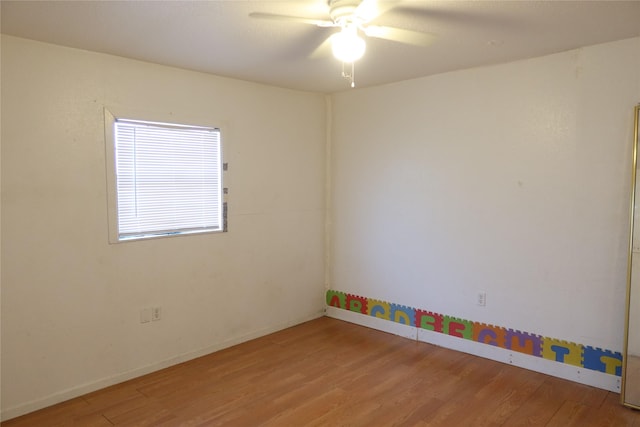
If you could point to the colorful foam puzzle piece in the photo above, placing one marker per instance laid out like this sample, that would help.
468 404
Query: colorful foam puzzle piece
523 342
562 351
458 327
403 314
603 360
489 334
356 303
379 309
429 320
336 299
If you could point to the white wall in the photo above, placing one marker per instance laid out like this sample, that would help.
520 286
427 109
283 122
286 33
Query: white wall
511 179
70 300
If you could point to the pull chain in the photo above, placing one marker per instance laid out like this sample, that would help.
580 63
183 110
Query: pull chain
349 75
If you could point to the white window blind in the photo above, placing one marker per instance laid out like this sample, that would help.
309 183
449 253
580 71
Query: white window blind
168 179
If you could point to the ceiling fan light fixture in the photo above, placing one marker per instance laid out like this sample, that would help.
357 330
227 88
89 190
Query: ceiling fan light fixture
347 46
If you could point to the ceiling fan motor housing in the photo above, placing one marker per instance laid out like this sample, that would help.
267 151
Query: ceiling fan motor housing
343 11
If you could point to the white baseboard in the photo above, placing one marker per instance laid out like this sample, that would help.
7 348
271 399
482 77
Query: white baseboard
533 363
71 393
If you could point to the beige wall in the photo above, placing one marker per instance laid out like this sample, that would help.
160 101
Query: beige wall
70 300
512 179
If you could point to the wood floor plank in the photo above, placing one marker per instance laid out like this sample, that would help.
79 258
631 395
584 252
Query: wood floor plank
57 415
331 373
502 396
570 414
609 414
543 404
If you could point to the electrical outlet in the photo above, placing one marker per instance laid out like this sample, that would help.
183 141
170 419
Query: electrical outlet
482 299
145 315
156 313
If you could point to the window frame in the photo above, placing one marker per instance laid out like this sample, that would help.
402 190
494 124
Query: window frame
110 118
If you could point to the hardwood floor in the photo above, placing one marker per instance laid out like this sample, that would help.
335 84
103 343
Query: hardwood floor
331 373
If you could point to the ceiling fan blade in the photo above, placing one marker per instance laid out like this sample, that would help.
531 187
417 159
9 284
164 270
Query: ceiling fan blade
369 10
298 19
324 49
401 35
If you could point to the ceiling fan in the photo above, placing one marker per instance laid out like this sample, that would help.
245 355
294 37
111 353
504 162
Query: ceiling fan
353 18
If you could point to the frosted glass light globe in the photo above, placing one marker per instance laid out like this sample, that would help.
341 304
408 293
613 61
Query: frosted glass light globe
347 46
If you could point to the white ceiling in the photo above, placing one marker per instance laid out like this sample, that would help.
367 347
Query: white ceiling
219 37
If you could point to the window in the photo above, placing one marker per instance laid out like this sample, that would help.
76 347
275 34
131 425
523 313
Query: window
168 179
